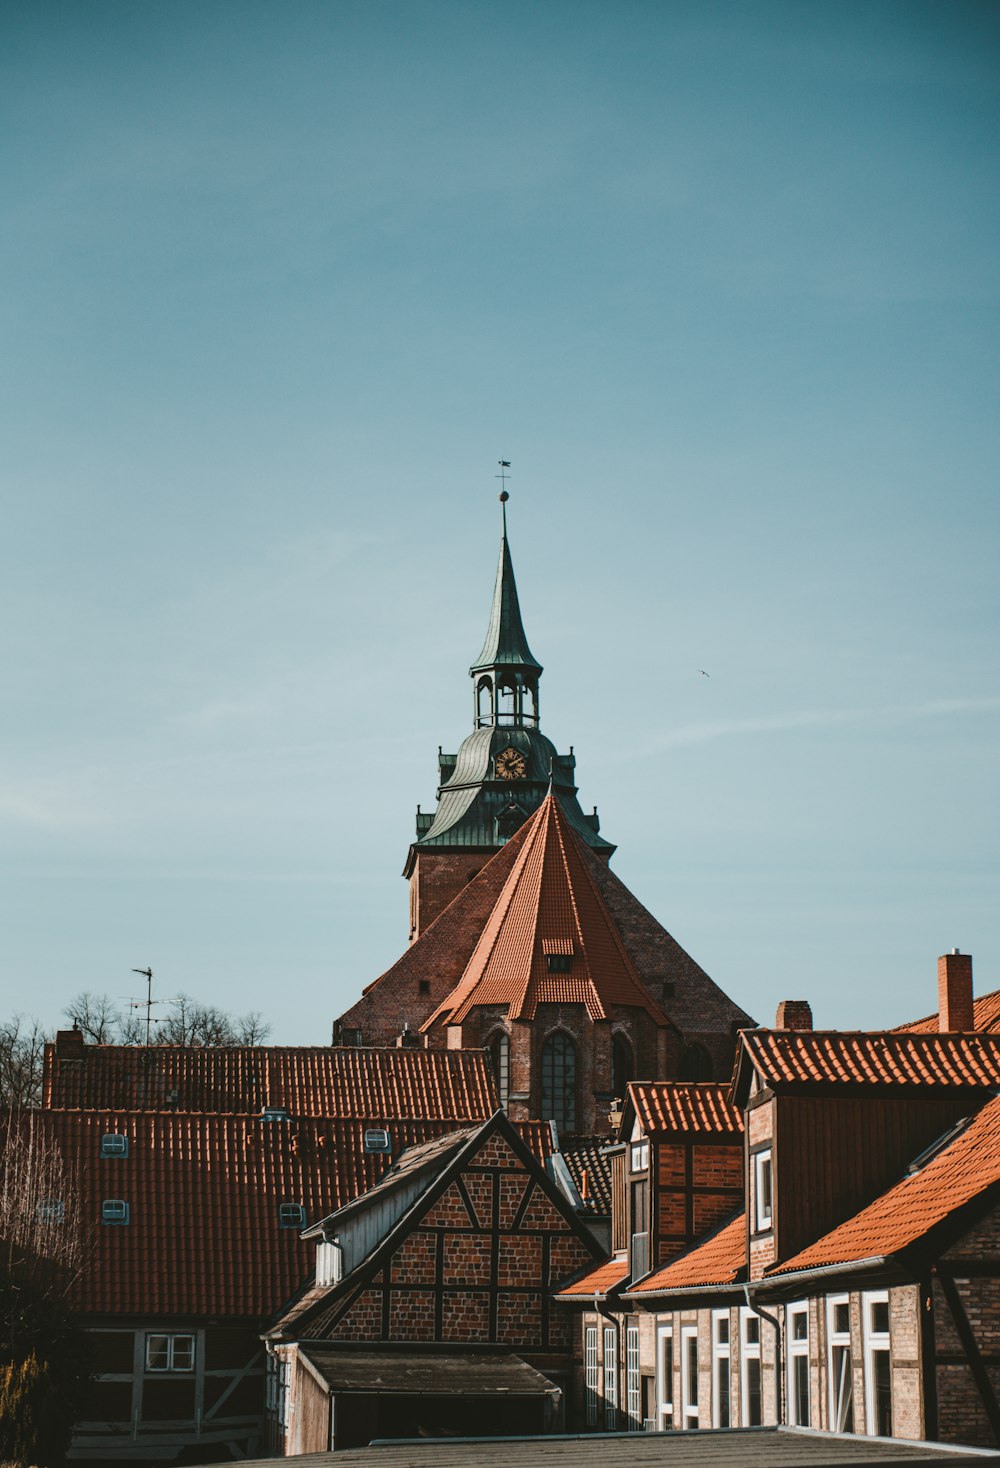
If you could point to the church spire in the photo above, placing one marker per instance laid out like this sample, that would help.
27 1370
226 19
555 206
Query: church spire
506 674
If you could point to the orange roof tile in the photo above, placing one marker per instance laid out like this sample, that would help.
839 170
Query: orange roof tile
684 1106
716 1260
590 1169
960 1172
985 1017
839 1057
598 1280
366 1085
550 904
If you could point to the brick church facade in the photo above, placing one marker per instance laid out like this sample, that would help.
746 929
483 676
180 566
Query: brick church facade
522 939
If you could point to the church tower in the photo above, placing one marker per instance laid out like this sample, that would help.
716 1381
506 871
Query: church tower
503 770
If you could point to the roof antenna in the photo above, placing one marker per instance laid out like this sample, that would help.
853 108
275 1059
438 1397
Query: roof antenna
148 1002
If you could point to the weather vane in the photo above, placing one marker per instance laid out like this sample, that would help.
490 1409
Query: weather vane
502 476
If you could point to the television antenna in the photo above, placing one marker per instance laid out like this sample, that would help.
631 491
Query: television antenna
148 1002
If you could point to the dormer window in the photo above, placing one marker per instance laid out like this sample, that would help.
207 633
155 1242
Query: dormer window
114 1144
274 1113
558 954
763 1195
291 1215
377 1139
114 1211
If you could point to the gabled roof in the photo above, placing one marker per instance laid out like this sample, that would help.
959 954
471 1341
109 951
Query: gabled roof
865 1058
985 1018
589 1166
599 1281
684 1106
716 1260
427 1160
549 897
964 1170
344 1082
505 644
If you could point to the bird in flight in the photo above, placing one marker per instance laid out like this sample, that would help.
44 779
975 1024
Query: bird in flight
703 673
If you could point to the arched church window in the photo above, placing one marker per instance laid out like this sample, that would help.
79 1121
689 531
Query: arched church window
484 701
499 1050
559 1081
622 1066
697 1063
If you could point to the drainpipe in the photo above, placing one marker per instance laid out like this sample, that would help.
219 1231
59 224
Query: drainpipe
776 1323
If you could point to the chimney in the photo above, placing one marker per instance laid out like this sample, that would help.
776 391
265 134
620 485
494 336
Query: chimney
69 1044
955 992
794 1014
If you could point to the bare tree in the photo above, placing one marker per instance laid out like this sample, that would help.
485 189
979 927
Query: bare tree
22 1051
96 1016
193 1023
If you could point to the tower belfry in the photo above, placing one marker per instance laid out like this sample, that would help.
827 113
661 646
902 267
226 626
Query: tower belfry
503 770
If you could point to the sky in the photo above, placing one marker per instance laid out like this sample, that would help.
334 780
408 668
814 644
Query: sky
280 286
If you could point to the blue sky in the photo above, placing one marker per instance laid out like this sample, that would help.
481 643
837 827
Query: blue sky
283 282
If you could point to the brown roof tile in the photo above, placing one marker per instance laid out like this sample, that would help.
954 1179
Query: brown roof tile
716 1260
590 1169
549 904
684 1106
372 1085
839 1057
959 1173
599 1280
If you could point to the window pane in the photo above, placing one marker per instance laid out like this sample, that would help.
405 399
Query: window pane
752 1414
883 1393
158 1353
753 1330
183 1353
842 1318
843 1406
800 1326
559 1081
880 1317
802 1390
722 1390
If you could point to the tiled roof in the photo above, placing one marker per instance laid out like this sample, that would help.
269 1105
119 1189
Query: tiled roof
203 1236
598 1280
549 895
590 1170
839 1057
684 1106
985 1017
366 1085
960 1172
429 1157
717 1260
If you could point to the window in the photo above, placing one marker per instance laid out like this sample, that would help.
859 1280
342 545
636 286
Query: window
114 1210
170 1353
291 1215
878 1367
50 1210
665 1377
423 986
500 1054
274 1113
840 1366
559 963
640 1156
763 1213
750 1395
633 1400
696 1064
328 1262
639 1250
590 1365
559 1081
377 1139
797 1337
610 1379
689 1376
270 1384
114 1144
351 1037
622 1068
720 1369
284 1394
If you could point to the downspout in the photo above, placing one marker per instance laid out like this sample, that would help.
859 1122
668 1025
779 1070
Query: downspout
776 1323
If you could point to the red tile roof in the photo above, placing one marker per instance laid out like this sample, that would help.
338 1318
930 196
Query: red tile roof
203 1237
838 1057
599 1280
684 1106
590 1170
959 1173
367 1085
549 904
716 1260
985 1017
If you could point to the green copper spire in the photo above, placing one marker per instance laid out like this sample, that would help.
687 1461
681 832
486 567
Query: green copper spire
506 645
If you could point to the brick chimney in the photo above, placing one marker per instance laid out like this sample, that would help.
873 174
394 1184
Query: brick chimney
794 1014
70 1044
955 992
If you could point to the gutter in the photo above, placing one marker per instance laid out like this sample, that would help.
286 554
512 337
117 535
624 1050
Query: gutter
851 1266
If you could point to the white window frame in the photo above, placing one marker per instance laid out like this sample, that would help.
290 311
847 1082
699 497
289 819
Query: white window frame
329 1262
291 1215
690 1409
797 1347
610 1379
592 1374
664 1378
750 1351
633 1387
763 1212
839 1340
178 1349
875 1342
284 1392
720 1363
639 1156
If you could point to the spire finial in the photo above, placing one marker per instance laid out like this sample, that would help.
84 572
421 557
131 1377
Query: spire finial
504 496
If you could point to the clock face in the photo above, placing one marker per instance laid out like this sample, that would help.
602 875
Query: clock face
510 765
